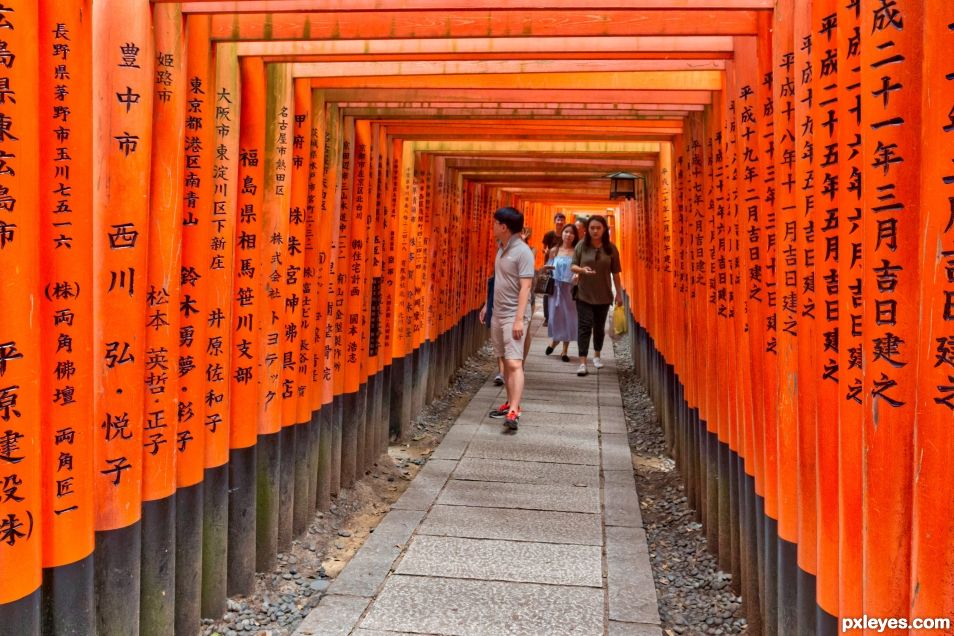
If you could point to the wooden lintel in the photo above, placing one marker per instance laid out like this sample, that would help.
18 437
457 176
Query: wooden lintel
492 23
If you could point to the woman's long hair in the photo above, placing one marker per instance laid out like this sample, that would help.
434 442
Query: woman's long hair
607 245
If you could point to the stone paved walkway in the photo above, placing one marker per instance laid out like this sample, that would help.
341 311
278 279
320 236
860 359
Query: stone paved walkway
536 532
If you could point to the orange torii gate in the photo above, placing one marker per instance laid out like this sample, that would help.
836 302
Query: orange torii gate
257 230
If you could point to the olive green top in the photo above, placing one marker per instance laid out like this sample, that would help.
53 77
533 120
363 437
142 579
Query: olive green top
596 289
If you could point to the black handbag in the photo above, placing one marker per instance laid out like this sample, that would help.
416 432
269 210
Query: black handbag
543 283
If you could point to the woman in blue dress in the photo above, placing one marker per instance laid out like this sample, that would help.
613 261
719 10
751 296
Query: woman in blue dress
563 322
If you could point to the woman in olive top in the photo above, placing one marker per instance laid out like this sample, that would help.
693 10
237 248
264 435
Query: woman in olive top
596 260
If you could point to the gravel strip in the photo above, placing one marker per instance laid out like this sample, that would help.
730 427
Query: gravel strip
695 597
284 597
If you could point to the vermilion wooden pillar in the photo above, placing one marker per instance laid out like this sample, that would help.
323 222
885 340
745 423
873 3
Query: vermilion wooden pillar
891 48
932 567
65 225
20 352
161 323
123 73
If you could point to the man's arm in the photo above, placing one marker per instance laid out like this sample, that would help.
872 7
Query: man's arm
522 300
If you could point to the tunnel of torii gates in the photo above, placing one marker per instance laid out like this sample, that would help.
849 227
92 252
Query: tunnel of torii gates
242 242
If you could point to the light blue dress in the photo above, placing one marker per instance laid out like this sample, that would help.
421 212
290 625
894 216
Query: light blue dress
563 321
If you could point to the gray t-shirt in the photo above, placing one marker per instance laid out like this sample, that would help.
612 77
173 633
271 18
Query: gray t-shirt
514 262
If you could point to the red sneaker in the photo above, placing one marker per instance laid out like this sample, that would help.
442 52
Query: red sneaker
513 420
501 411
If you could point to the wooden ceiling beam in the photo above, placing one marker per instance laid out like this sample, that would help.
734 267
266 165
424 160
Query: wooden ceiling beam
622 98
482 67
591 47
469 24
347 6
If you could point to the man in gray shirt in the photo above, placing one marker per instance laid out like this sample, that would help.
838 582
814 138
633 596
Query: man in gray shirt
513 276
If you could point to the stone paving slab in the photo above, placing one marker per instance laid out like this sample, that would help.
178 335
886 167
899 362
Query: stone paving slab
485 608
372 563
618 628
335 616
631 590
423 490
513 449
475 469
621 505
480 494
518 561
514 524
616 452
554 407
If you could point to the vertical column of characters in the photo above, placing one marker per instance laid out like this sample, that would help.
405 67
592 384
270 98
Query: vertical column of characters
805 230
891 49
275 476
323 359
358 287
388 233
298 310
933 547
850 304
247 310
224 102
722 108
665 272
278 133
824 60
247 314
299 306
161 278
696 254
314 289
123 72
226 106
66 313
784 98
711 146
200 359
350 258
334 376
766 484
734 318
752 289
315 272
20 352
377 433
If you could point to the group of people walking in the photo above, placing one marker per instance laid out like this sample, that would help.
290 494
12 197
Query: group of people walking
585 266
586 271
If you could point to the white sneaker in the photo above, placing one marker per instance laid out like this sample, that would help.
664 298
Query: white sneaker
597 363
582 370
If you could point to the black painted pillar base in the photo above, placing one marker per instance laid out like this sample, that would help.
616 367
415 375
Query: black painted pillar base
750 556
417 398
361 427
267 499
188 595
337 424
159 573
215 537
384 431
286 485
116 579
825 623
21 617
735 517
325 442
314 447
349 439
400 407
67 595
712 492
787 587
371 423
304 500
806 605
241 526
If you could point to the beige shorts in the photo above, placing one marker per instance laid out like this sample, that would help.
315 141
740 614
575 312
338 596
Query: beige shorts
501 334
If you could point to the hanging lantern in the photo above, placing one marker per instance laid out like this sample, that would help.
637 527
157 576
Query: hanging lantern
622 185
